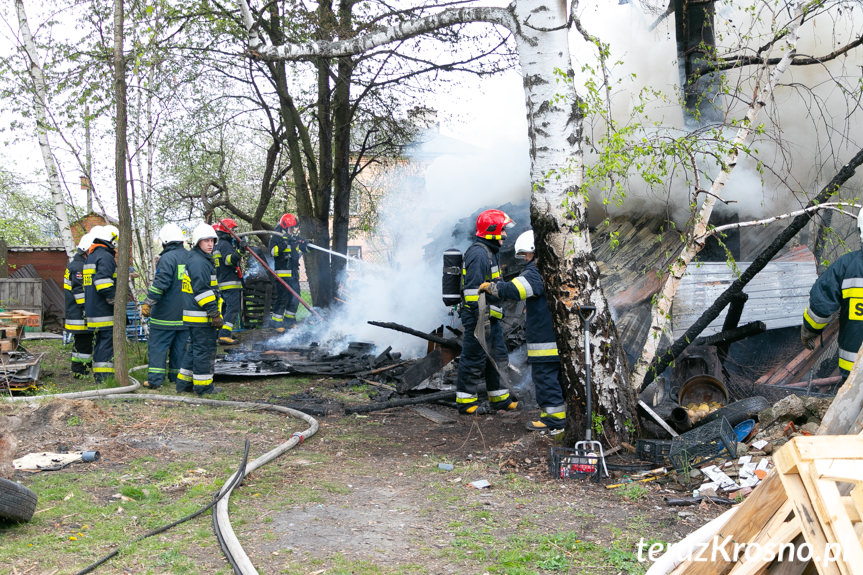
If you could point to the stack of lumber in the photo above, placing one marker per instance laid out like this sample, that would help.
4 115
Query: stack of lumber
807 516
10 335
20 317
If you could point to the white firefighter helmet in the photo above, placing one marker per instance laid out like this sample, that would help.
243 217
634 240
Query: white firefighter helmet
202 231
524 244
860 221
105 234
86 241
171 232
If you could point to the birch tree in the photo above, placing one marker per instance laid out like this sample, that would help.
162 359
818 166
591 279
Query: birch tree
40 104
767 78
558 209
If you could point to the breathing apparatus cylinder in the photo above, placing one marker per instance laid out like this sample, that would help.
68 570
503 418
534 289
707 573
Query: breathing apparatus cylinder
451 278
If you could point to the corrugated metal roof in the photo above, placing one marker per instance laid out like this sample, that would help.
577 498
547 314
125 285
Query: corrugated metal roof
778 294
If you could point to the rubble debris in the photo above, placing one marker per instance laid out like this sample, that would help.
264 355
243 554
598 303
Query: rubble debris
19 370
425 398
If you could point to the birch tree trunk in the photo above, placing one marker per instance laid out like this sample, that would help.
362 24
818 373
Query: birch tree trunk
121 371
696 238
40 103
558 210
559 218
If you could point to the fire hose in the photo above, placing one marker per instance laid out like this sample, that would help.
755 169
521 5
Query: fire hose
228 539
275 275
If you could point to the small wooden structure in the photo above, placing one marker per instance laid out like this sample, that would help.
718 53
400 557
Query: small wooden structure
24 295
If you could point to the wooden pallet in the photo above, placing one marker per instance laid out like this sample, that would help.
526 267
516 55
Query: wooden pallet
814 497
21 317
10 335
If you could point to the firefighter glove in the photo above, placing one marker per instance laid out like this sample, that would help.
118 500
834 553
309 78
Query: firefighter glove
145 309
489 288
216 320
242 245
807 336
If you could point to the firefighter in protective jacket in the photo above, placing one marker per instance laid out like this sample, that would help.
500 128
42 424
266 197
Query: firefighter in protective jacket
164 306
286 259
76 324
100 273
539 332
839 288
226 257
200 313
480 266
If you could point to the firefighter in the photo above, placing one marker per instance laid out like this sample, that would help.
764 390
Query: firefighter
480 266
226 257
282 249
539 332
76 324
200 314
839 288
100 273
164 306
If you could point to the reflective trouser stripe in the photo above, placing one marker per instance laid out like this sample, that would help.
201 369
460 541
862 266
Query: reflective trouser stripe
184 375
103 367
558 412
202 380
498 395
289 315
82 357
230 285
228 326
76 325
464 397
275 317
157 370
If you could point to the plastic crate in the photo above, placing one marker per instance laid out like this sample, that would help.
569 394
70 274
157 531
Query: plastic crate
653 450
134 324
703 444
568 463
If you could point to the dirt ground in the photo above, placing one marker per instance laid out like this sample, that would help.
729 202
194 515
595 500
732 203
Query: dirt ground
389 510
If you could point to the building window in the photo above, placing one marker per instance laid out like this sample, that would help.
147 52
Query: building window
354 253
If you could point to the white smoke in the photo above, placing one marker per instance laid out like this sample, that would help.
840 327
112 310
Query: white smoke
809 129
445 181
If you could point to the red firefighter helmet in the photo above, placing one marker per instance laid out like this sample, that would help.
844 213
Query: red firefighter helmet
219 227
228 224
287 221
491 223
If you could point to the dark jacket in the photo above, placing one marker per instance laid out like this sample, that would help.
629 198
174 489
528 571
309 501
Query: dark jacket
73 289
538 327
281 250
100 272
167 288
200 289
480 265
840 288
227 261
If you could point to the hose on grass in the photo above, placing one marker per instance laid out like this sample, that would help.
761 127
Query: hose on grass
221 493
227 538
